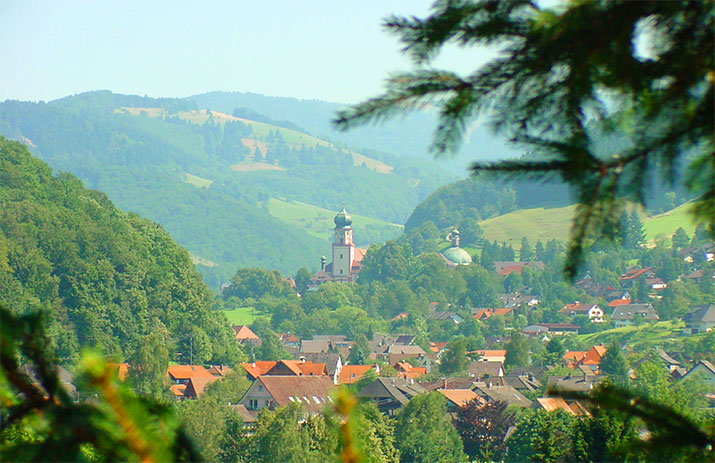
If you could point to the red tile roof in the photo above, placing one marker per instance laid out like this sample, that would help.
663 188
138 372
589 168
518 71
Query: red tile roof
617 302
634 273
352 373
483 314
243 332
407 371
178 372
313 392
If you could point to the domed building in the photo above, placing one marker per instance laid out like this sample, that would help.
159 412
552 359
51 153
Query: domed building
455 255
347 259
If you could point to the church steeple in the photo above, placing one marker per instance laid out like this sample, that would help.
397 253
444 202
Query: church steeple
343 230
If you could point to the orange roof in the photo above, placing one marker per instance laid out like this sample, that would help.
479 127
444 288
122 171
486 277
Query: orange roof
554 403
407 371
634 273
574 355
297 367
617 302
219 370
483 314
594 355
243 332
352 373
122 370
259 368
196 386
178 389
400 316
491 353
437 347
312 369
576 307
359 255
188 371
459 397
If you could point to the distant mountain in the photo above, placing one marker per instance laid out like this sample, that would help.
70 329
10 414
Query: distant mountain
100 276
403 136
207 176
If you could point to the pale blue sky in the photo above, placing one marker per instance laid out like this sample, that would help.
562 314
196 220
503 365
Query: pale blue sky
330 50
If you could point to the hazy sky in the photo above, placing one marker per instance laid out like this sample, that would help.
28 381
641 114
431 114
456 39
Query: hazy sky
330 50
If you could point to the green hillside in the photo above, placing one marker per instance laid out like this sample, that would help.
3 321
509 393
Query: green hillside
319 222
101 277
204 175
536 224
667 223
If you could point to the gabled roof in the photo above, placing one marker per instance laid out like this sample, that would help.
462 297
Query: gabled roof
315 346
701 314
330 359
407 371
482 369
502 394
635 273
629 311
244 333
483 314
196 386
313 392
258 368
353 373
437 347
185 372
505 268
293 367
704 364
577 307
398 389
460 397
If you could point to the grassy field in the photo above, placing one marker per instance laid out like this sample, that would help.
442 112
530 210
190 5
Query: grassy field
244 315
316 220
536 224
643 336
667 223
555 223
196 181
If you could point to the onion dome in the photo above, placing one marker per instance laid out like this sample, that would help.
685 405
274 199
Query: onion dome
343 219
458 256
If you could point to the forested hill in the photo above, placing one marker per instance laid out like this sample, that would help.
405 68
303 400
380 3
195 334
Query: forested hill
208 177
101 276
404 136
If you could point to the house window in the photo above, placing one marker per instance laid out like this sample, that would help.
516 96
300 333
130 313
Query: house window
341 272
253 404
260 388
271 404
341 256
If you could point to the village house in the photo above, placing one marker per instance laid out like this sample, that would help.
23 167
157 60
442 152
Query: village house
408 371
483 314
244 335
333 362
189 381
284 368
501 394
354 373
705 372
505 268
458 398
594 312
485 369
551 404
518 299
590 358
628 314
390 393
700 319
311 392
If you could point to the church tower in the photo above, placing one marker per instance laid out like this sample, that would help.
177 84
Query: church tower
343 247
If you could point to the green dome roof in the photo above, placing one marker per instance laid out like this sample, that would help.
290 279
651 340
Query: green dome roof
458 256
343 219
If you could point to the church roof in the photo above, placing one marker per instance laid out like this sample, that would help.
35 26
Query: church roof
458 256
343 219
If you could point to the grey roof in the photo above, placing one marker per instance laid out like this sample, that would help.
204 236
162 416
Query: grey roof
481 369
402 349
701 314
629 311
314 347
246 415
583 383
520 382
502 394
399 389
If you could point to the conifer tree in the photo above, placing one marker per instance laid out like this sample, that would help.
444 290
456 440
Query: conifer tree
564 80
